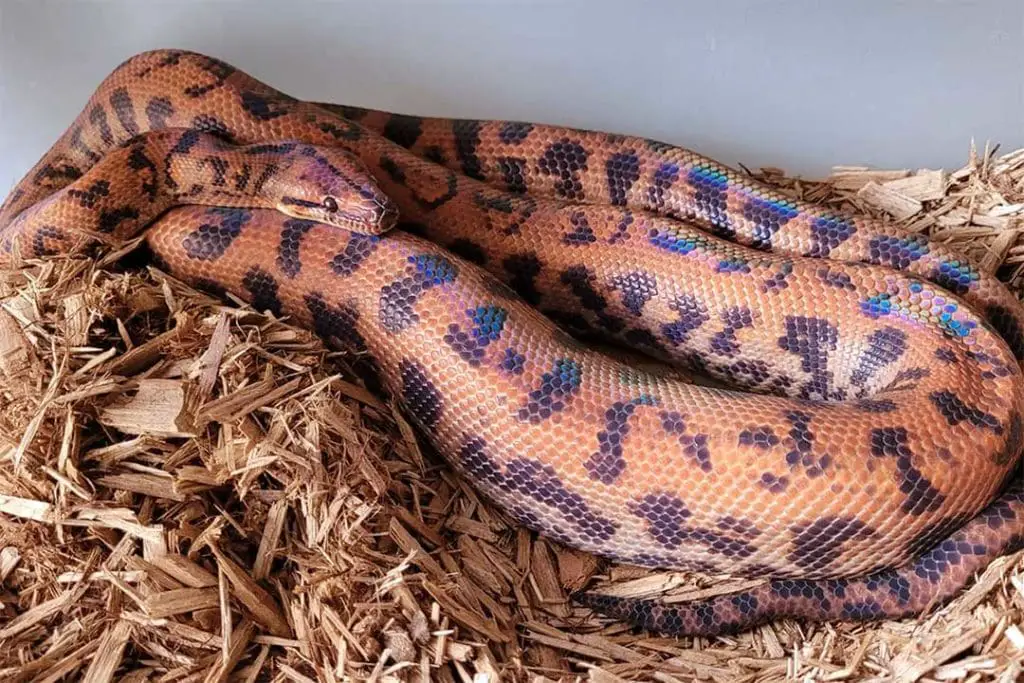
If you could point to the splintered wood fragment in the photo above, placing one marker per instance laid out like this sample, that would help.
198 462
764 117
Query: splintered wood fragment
108 653
409 544
160 407
598 675
76 319
9 558
910 665
154 542
244 401
998 249
259 602
575 568
180 601
56 664
141 357
16 355
26 508
40 612
896 204
125 577
561 642
544 577
856 177
464 525
464 616
240 639
924 186
146 484
211 359
272 529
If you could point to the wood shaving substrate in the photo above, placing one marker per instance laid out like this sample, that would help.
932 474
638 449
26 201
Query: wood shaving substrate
193 491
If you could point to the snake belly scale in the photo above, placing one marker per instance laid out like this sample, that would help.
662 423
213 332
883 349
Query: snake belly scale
864 457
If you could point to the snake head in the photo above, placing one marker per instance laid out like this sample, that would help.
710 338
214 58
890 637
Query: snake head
331 185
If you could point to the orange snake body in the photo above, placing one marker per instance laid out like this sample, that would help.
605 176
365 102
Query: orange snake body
864 467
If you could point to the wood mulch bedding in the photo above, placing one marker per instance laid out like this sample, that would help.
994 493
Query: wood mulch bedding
193 491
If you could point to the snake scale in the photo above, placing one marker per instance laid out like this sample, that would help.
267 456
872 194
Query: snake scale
863 456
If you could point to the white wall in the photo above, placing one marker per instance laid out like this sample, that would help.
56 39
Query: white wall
802 84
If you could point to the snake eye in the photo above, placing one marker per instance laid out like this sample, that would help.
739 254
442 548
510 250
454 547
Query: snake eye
331 204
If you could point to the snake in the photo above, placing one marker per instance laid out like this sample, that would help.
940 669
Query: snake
859 451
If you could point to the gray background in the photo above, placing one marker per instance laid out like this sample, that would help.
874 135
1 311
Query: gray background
794 83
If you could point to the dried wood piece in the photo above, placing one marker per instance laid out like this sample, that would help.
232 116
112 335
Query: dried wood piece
899 205
160 407
260 604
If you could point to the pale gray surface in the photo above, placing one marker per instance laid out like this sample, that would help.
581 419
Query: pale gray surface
798 84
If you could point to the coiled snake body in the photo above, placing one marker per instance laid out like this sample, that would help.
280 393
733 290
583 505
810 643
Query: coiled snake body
866 466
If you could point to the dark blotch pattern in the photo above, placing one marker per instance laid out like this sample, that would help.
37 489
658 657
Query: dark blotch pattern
403 130
692 314
211 124
514 362
711 194
779 280
335 323
956 411
513 173
262 288
398 299
557 387
523 270
469 250
564 160
357 250
884 347
827 233
92 194
209 241
818 544
423 400
773 482
471 345
762 437
835 278
1004 322
266 107
812 339
514 132
98 118
897 252
666 517
124 110
636 288
768 217
666 176
892 442
291 241
724 343
801 445
111 219
539 482
695 446
581 233
158 111
467 140
622 170
608 462
581 281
